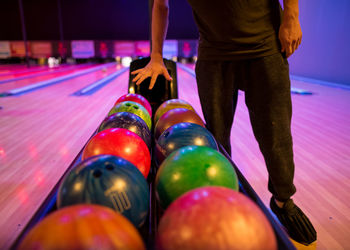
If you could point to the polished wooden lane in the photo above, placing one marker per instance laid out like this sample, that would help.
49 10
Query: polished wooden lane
40 135
11 68
321 134
25 82
19 73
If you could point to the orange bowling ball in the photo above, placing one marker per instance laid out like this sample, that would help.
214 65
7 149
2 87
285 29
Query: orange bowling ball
169 105
175 116
83 227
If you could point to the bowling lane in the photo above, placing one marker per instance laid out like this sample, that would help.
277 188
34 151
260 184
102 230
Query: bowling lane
41 133
25 82
114 89
321 140
72 85
10 68
16 74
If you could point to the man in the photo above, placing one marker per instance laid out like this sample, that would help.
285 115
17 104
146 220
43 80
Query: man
244 45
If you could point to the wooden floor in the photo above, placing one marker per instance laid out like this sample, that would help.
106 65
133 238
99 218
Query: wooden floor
41 133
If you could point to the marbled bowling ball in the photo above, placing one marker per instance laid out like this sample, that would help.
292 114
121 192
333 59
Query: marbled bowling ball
129 121
135 108
109 181
136 98
83 227
175 116
181 135
123 143
192 167
169 105
214 218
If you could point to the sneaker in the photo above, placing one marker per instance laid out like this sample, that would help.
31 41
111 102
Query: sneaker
295 221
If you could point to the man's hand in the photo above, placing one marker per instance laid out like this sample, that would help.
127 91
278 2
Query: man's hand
290 34
154 68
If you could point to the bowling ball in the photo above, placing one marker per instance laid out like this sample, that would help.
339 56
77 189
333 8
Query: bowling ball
136 98
175 116
135 108
181 135
108 181
214 218
83 227
130 122
191 167
120 142
171 104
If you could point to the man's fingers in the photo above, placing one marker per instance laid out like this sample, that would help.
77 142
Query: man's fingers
137 77
153 71
289 51
167 76
299 41
283 48
136 71
143 77
295 45
153 81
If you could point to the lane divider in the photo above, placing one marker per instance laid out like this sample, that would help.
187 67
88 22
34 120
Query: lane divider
292 89
42 84
94 87
43 73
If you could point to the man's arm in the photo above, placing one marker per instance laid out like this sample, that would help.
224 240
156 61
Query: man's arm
155 67
160 13
290 31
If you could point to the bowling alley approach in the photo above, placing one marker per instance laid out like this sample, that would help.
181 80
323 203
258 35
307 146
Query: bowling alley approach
187 124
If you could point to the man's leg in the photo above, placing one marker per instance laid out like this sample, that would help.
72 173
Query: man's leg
269 102
218 98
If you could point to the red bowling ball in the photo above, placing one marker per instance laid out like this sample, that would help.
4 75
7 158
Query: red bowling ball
214 218
136 98
123 143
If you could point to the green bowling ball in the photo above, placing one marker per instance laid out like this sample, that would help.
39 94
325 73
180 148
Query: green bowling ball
135 108
191 167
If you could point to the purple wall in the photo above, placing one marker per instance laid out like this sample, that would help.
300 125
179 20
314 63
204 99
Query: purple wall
324 53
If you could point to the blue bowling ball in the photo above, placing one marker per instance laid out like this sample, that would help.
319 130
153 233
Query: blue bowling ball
109 181
130 122
181 135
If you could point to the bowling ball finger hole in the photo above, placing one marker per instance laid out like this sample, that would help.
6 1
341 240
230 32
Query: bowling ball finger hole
109 167
97 173
128 104
135 107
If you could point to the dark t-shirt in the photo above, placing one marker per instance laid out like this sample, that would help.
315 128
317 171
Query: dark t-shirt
237 29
